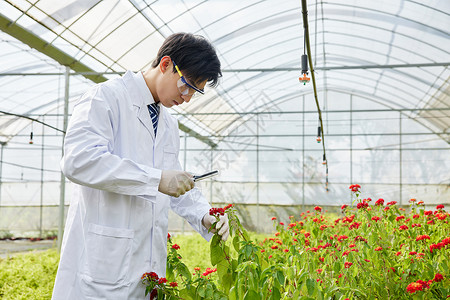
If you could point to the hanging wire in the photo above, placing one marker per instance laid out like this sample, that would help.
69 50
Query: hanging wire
308 49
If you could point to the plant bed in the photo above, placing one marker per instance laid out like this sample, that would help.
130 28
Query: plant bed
374 251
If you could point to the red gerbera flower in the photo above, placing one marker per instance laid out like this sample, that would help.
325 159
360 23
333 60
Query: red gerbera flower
379 202
414 287
354 188
438 277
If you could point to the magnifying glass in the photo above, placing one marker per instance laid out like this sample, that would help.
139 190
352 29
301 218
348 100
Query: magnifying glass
206 175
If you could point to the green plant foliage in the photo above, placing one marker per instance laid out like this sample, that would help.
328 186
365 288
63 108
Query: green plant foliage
194 250
373 251
376 251
28 276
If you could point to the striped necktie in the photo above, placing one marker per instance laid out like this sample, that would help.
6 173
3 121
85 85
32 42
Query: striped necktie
154 112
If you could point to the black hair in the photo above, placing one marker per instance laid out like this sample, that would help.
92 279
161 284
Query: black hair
194 55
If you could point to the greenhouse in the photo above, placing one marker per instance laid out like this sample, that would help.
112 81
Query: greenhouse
313 97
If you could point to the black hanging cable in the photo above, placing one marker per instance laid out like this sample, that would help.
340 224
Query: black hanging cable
308 49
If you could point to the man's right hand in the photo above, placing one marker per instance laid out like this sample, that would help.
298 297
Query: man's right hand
175 183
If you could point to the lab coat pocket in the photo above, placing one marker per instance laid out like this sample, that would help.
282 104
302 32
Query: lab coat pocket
170 158
108 252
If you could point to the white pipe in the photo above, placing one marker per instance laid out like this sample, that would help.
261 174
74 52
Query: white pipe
63 178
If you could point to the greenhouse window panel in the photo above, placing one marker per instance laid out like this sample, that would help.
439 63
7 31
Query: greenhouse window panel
186 20
275 34
439 120
142 54
111 46
100 19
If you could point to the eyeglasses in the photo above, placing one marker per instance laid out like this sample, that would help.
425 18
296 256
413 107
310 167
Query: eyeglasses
184 87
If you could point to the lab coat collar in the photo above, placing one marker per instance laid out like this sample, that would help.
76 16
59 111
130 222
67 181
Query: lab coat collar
139 91
142 97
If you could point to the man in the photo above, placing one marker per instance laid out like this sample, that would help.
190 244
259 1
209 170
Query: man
121 151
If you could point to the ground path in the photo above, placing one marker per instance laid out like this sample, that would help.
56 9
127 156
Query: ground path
10 247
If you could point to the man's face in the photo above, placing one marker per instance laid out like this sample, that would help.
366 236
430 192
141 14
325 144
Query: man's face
168 92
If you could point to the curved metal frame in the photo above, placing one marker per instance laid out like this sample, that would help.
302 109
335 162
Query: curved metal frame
337 10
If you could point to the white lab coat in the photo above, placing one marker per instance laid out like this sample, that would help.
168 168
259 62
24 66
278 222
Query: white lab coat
116 227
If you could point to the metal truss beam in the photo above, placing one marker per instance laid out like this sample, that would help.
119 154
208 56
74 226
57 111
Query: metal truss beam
30 39
27 37
439 64
396 66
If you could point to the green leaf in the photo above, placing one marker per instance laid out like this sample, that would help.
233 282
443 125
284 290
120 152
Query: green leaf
275 294
219 296
148 290
251 295
245 234
267 271
290 273
201 291
319 293
234 264
302 276
226 250
430 270
227 282
217 254
223 268
248 251
251 279
280 277
311 286
240 288
215 241
209 291
337 268
185 294
444 267
184 271
236 243
170 275
160 294
232 294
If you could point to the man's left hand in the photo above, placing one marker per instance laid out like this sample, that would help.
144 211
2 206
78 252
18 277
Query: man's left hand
221 226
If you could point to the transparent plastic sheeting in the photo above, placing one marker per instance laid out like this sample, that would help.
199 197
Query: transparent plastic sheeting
121 35
382 78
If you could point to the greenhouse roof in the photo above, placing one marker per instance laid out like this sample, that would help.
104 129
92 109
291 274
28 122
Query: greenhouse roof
393 53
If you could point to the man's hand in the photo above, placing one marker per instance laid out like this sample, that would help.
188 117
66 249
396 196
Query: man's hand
221 226
175 183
